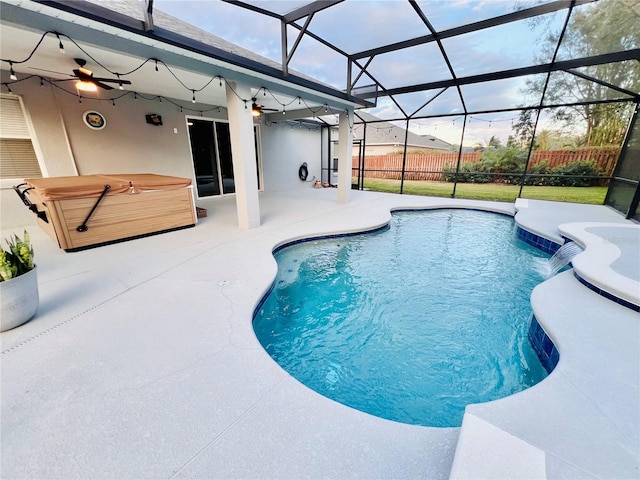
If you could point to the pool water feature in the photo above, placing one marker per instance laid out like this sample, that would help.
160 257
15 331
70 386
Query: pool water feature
410 323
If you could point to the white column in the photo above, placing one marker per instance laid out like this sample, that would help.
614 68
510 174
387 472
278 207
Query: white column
244 155
345 153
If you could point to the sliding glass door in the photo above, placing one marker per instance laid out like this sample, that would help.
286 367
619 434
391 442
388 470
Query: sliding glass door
212 160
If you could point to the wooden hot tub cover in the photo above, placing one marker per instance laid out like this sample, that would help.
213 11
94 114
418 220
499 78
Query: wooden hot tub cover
58 188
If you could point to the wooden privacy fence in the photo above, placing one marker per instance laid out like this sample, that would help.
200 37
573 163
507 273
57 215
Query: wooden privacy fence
428 166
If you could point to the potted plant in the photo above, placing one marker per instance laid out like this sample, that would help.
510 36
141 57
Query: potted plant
18 283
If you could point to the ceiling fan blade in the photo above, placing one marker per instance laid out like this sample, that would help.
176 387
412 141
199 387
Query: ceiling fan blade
51 71
269 109
111 80
102 85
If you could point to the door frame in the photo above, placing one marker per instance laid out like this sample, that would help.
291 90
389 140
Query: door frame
258 144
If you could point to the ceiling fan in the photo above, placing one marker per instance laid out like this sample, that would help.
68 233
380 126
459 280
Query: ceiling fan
87 82
257 109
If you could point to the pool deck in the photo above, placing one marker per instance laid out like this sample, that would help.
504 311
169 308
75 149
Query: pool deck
141 363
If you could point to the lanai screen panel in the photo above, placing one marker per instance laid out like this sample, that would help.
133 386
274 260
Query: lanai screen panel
355 26
474 64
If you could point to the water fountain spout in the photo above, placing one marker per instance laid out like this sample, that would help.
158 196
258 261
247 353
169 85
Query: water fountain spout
563 256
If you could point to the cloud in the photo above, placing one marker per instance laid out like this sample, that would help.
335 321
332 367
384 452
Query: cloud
356 25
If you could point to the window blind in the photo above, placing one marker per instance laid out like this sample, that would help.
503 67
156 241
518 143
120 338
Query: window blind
17 157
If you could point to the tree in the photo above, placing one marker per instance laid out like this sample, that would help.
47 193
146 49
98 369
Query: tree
494 142
524 128
543 140
604 27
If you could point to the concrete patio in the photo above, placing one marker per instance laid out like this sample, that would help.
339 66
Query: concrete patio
141 362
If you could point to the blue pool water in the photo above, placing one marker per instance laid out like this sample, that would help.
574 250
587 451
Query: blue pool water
410 323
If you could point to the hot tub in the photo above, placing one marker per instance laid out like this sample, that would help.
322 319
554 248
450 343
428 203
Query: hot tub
87 211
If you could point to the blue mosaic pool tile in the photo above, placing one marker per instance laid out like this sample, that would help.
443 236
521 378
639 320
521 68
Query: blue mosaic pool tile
606 294
547 346
555 356
537 241
545 349
551 247
324 237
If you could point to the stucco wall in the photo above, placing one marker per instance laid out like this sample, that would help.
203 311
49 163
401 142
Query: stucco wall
284 149
128 144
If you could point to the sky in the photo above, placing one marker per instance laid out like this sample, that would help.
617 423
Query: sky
358 25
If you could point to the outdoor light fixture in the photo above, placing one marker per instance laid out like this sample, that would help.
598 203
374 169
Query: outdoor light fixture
86 86
12 73
60 45
255 110
154 119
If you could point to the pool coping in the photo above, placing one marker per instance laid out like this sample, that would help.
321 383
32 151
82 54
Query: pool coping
580 319
594 266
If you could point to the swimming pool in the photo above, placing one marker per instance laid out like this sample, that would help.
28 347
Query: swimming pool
410 323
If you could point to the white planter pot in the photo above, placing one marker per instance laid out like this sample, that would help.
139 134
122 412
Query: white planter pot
18 300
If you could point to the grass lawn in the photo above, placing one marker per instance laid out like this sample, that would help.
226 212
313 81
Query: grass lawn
489 191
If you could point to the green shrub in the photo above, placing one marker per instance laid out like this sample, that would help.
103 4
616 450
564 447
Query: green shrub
542 169
584 168
505 165
509 159
470 172
562 175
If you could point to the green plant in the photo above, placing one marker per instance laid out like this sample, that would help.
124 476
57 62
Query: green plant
583 173
18 260
579 174
469 172
505 160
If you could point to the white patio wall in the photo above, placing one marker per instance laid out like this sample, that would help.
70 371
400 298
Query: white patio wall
284 149
130 145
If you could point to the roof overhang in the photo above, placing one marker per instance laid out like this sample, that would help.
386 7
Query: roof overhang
122 43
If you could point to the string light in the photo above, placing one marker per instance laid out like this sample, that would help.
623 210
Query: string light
120 82
60 45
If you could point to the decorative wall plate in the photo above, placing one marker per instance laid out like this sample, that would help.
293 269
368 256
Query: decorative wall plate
94 120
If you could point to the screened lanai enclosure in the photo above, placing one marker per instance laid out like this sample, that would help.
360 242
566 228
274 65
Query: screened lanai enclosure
493 100
489 100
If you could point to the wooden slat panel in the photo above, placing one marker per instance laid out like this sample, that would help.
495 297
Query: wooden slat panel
427 166
120 216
